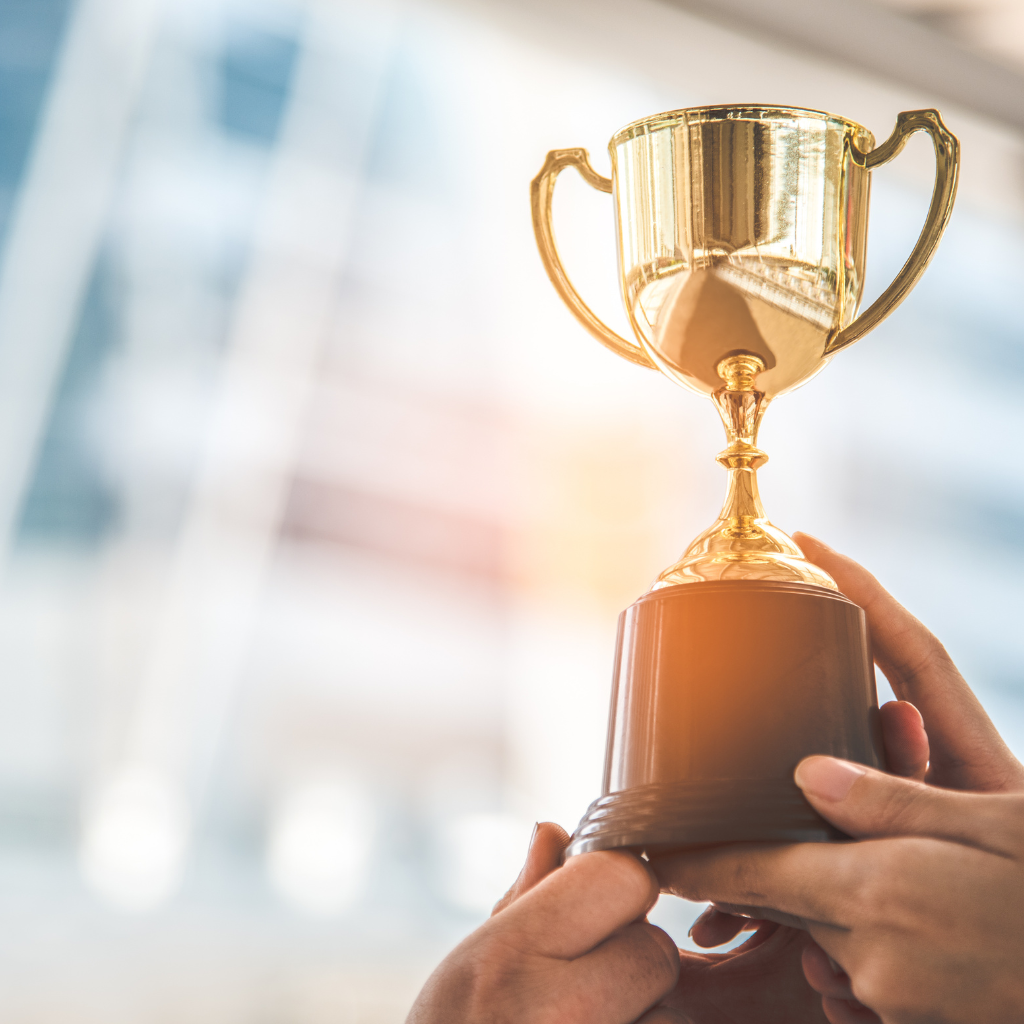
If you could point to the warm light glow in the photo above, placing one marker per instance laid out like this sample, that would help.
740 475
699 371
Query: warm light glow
134 839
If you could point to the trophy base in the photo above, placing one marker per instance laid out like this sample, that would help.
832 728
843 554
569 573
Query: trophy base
661 818
721 689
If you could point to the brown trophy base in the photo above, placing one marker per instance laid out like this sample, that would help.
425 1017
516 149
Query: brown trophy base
720 689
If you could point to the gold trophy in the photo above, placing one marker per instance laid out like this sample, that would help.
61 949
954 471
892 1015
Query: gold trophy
741 233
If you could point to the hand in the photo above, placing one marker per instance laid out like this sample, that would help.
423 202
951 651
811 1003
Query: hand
763 980
567 946
967 751
922 923
759 982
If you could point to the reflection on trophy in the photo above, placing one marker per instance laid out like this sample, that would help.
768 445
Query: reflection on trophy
742 233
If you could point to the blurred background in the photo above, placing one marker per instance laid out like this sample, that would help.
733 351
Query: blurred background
317 508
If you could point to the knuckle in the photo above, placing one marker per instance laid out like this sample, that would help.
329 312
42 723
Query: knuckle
650 960
719 876
924 652
493 959
743 881
873 899
662 953
873 882
891 987
495 983
479 980
876 984
890 899
901 800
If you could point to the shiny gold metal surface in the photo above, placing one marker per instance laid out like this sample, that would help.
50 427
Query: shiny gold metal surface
741 235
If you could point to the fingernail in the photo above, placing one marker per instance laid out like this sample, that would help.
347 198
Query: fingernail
705 916
827 777
533 836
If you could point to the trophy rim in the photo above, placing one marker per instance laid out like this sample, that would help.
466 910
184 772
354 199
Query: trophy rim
644 125
686 591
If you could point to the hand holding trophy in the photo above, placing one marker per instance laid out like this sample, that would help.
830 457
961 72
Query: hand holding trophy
742 233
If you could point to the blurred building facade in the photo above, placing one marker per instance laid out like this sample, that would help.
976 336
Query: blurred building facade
317 509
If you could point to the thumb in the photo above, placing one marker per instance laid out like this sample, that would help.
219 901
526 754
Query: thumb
542 857
867 804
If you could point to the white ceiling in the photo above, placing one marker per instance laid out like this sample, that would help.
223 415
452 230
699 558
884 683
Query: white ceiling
994 28
969 52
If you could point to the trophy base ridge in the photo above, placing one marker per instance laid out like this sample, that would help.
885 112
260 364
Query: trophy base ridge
720 689
660 818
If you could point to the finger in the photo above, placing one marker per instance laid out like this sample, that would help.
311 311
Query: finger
763 930
842 1011
824 975
624 975
758 916
762 983
867 804
794 885
967 750
906 742
542 857
713 928
578 906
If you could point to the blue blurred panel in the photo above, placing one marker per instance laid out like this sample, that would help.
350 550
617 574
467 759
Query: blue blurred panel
960 328
255 74
30 34
69 501
407 148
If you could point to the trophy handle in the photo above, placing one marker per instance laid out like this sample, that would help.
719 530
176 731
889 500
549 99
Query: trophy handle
947 166
542 190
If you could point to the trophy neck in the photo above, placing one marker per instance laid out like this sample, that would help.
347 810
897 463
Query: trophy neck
741 407
742 544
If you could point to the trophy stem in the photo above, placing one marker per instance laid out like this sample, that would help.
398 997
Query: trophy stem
741 407
742 544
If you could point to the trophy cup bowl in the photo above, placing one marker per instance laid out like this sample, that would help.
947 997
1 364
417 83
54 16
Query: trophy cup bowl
741 235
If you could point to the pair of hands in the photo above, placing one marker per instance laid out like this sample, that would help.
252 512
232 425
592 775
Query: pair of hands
921 921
